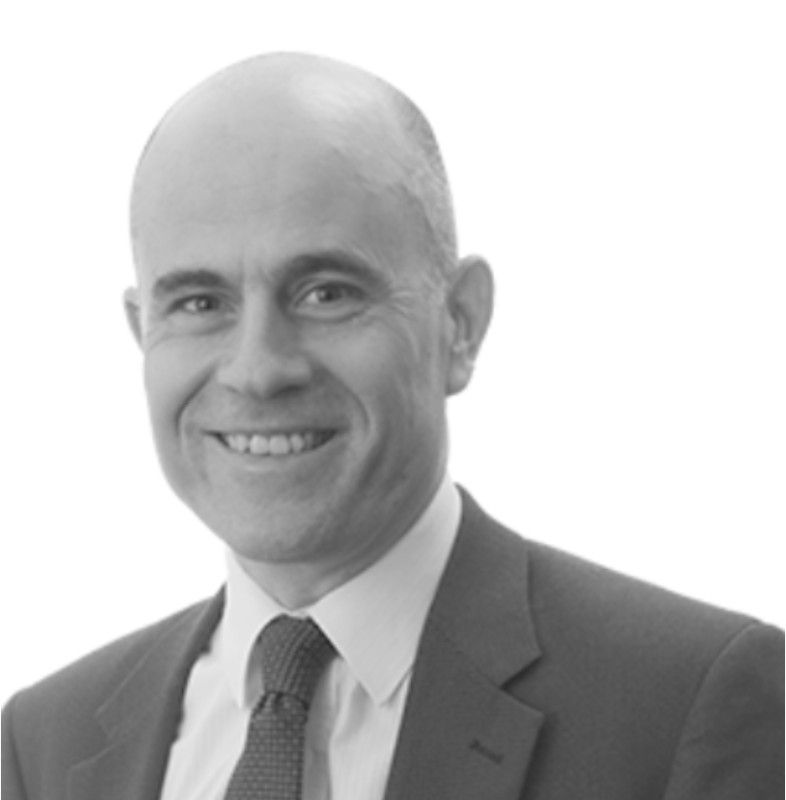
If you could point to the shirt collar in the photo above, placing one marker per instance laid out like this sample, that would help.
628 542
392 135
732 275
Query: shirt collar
374 620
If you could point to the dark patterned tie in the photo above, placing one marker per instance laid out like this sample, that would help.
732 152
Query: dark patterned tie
294 654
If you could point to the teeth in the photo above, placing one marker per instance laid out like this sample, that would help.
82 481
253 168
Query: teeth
278 445
239 442
259 445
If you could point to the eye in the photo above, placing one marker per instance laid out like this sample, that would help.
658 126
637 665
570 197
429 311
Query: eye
197 304
330 294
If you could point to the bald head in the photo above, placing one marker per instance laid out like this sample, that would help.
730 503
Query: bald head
256 120
292 237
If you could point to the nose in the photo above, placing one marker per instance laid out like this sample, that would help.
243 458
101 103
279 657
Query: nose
264 356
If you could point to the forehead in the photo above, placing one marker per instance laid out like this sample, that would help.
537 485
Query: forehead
230 193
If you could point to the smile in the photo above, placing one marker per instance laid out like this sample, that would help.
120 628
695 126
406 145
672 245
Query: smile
277 445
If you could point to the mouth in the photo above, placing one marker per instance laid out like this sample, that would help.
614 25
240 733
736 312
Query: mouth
276 445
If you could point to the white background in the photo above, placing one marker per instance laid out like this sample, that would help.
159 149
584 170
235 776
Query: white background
622 165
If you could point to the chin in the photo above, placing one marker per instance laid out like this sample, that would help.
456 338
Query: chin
270 539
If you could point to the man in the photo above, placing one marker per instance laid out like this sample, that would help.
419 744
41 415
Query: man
303 316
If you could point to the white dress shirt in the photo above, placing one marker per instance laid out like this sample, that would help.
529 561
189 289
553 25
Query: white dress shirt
374 621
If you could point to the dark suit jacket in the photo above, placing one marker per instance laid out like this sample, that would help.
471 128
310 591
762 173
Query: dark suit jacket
539 677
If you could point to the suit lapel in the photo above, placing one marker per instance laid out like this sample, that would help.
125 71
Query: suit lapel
462 735
141 719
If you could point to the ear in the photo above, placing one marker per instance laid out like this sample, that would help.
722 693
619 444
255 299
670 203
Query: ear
470 302
133 312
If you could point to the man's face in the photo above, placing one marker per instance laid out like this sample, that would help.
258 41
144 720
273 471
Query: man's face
295 351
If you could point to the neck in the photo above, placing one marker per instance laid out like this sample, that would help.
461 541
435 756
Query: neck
298 585
294 586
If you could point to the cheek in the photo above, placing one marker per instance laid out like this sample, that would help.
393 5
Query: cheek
174 374
394 375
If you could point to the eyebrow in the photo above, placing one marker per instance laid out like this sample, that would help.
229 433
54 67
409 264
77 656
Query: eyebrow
336 261
179 279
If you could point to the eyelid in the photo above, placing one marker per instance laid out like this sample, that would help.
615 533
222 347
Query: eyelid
179 303
343 286
348 287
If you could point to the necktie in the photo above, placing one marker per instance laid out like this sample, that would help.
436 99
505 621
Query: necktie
294 653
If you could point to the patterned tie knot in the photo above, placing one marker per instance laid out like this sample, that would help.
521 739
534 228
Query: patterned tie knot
294 654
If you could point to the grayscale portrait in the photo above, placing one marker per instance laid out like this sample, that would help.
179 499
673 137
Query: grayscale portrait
311 331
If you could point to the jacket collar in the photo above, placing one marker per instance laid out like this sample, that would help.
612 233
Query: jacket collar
140 720
462 735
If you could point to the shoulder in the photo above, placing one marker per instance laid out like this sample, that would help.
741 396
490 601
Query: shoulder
607 606
659 684
64 719
88 682
586 614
